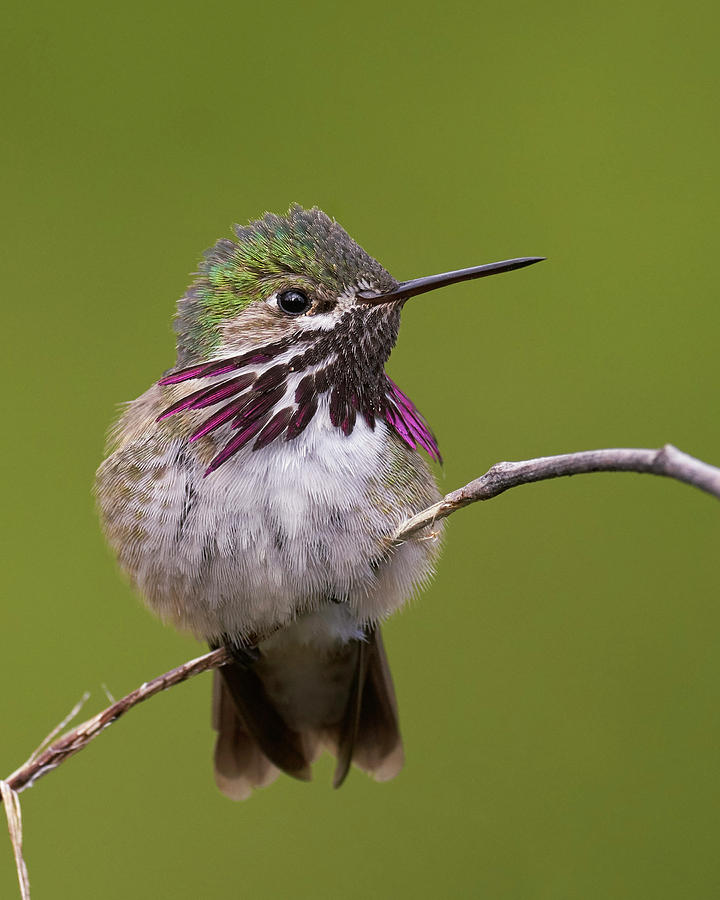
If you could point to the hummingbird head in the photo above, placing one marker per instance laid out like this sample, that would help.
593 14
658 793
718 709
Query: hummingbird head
281 276
304 320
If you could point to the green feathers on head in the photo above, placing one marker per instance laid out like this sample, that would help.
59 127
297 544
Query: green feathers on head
233 274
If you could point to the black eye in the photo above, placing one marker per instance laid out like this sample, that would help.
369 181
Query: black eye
293 302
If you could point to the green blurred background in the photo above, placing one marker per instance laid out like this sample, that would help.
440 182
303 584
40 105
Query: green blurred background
559 682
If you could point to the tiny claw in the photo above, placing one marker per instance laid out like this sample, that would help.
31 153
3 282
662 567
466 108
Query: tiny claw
243 656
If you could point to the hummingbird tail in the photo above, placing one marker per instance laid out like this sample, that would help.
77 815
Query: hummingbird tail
255 742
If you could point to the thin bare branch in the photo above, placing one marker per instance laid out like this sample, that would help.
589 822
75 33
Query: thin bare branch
71 743
667 461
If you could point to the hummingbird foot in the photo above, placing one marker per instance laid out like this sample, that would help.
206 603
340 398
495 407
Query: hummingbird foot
244 655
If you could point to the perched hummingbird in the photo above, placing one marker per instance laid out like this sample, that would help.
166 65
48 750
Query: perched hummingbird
250 493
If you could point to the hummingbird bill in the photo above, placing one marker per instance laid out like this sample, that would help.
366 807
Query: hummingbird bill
249 494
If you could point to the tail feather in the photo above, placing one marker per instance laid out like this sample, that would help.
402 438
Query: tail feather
259 719
240 764
373 742
255 741
346 737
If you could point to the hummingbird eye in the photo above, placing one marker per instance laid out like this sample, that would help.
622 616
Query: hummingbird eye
293 302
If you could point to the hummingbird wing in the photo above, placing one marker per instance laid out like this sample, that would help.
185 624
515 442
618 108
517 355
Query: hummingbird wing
369 735
240 764
253 740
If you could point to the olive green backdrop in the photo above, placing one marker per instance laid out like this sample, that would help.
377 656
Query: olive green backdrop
560 682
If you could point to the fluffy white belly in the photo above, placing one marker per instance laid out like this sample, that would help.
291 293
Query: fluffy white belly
271 535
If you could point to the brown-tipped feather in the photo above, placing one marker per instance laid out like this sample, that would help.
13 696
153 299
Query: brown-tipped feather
240 764
260 720
370 732
348 731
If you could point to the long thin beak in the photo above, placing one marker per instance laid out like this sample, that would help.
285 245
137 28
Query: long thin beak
431 282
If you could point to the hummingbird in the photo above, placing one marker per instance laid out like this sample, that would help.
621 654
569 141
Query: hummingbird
250 493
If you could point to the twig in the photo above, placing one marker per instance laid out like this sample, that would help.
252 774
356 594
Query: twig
668 461
44 760
72 742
